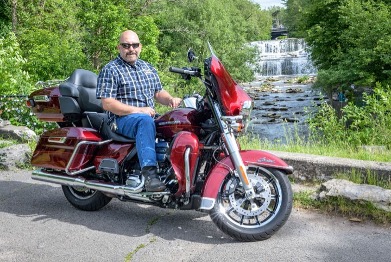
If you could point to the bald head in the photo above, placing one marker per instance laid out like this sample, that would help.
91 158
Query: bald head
128 34
129 46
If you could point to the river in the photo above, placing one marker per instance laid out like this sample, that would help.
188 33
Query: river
281 103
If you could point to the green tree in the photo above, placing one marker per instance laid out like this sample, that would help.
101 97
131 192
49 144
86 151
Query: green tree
101 22
50 38
293 17
13 79
227 25
349 40
101 32
5 17
367 57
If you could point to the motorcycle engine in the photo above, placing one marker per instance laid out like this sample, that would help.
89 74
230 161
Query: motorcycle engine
166 171
161 148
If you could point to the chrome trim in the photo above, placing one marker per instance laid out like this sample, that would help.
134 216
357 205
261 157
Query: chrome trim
187 171
207 203
76 151
61 140
41 98
233 150
118 190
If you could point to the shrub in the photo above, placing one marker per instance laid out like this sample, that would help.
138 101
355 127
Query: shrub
369 124
14 109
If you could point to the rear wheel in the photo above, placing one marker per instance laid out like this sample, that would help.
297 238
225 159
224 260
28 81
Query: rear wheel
84 198
260 218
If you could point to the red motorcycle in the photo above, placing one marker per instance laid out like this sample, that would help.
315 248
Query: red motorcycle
246 192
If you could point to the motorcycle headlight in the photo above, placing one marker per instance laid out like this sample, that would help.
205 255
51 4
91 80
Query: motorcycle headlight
240 122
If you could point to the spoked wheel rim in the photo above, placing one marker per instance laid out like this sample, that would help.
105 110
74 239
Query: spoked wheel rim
234 205
82 192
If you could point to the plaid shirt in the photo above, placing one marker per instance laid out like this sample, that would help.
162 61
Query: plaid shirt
133 85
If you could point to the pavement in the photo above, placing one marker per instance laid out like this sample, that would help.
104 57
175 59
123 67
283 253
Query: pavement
38 224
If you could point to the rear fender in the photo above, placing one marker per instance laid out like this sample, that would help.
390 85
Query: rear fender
222 169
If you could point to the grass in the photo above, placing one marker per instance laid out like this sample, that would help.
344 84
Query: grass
353 210
6 143
369 178
151 222
130 255
343 150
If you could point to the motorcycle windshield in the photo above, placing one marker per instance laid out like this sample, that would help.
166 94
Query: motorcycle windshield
231 96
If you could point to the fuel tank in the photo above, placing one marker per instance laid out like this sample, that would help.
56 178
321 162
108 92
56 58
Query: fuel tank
178 120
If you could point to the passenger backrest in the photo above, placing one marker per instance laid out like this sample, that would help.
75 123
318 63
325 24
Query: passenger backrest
78 95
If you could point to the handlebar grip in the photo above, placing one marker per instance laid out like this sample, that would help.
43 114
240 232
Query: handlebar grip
176 70
185 71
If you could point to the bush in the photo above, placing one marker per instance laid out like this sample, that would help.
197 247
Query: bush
14 80
14 109
369 124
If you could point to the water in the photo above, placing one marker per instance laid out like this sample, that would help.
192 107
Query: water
283 57
281 110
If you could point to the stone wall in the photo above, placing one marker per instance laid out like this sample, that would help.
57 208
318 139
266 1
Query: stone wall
322 168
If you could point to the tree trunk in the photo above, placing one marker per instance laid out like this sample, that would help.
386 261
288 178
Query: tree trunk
14 4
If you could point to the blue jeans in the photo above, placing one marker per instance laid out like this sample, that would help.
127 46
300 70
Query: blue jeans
140 127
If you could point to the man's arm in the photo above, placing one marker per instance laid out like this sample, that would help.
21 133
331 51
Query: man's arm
164 98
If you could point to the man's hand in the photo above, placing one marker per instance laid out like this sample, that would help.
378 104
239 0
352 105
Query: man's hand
174 102
147 110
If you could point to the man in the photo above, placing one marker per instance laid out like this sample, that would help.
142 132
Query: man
128 86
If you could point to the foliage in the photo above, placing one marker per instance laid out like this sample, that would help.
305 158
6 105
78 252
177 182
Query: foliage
369 178
15 110
293 17
100 33
13 79
361 210
357 124
5 18
227 26
149 35
49 37
345 47
58 36
278 16
316 147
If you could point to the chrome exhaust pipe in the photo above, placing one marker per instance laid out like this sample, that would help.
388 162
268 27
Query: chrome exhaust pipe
114 189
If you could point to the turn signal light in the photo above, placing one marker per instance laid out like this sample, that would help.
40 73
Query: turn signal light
30 103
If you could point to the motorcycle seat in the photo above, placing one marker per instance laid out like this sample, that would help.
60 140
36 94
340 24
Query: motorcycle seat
99 121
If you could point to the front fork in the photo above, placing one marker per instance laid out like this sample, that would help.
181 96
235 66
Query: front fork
227 124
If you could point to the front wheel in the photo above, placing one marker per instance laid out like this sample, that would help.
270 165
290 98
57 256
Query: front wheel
84 198
259 218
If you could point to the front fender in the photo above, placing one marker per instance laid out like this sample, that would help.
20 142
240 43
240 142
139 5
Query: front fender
222 169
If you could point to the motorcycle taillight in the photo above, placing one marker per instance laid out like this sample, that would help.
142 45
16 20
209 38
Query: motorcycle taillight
30 103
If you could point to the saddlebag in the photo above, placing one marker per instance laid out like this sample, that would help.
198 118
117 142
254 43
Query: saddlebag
70 149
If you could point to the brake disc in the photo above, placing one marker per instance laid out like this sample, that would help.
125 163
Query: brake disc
259 204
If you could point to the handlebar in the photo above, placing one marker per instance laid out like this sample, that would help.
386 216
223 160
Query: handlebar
186 71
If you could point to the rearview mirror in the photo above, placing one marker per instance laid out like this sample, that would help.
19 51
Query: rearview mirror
191 55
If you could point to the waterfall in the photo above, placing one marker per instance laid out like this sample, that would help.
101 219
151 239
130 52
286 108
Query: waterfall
282 57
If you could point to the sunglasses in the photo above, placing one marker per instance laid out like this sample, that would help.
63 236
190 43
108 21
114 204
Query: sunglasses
127 46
